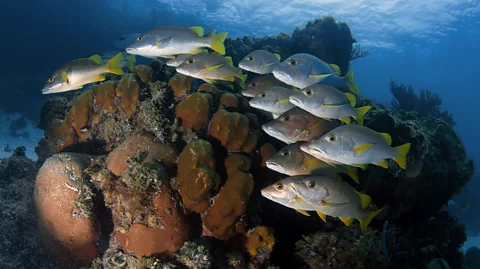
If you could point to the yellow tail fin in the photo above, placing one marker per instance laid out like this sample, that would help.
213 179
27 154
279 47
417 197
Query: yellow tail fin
352 86
112 65
361 111
402 152
217 42
364 223
352 173
131 62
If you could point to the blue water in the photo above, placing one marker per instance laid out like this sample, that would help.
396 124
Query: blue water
430 44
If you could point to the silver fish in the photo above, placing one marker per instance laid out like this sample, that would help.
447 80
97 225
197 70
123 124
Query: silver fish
298 125
327 196
125 40
210 67
358 146
258 83
273 99
292 161
260 62
327 102
302 70
167 41
77 73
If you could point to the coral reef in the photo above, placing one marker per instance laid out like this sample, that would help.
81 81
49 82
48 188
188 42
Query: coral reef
173 174
427 105
472 258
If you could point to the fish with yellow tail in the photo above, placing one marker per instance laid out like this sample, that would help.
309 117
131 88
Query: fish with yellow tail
259 83
302 70
357 146
274 100
211 67
298 125
167 41
327 102
260 62
327 196
292 161
77 73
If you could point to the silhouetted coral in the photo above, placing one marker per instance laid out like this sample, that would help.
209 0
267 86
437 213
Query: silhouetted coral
427 105
472 258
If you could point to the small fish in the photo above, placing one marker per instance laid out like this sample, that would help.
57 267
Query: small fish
128 60
292 161
211 67
167 41
298 125
259 83
327 196
357 146
260 62
327 102
302 70
179 59
125 40
77 73
273 99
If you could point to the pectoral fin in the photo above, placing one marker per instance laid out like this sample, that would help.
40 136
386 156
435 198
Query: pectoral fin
322 216
303 212
361 150
320 76
213 67
65 77
268 64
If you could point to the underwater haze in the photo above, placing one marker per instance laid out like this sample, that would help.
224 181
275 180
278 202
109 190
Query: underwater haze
423 44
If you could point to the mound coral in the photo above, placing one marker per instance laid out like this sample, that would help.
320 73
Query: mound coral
260 241
195 111
181 85
63 200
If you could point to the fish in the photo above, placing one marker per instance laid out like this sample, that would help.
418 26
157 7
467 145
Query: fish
260 62
273 99
259 83
302 70
298 125
292 161
75 74
168 41
358 146
327 102
327 196
128 60
211 67
179 59
125 40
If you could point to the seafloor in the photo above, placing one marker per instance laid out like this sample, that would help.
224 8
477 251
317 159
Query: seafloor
149 170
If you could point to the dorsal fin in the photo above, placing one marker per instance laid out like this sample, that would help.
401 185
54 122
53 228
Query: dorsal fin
278 56
198 29
387 138
336 69
229 59
364 200
96 58
351 98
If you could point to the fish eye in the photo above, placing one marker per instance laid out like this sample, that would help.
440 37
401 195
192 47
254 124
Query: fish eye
279 186
331 138
285 153
253 84
50 79
292 62
311 185
140 37
263 94
308 92
250 58
286 118
190 61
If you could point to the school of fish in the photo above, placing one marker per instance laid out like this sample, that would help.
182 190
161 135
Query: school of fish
311 103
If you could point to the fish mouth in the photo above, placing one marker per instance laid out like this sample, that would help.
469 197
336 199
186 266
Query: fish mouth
247 94
273 165
294 101
266 194
272 131
131 50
